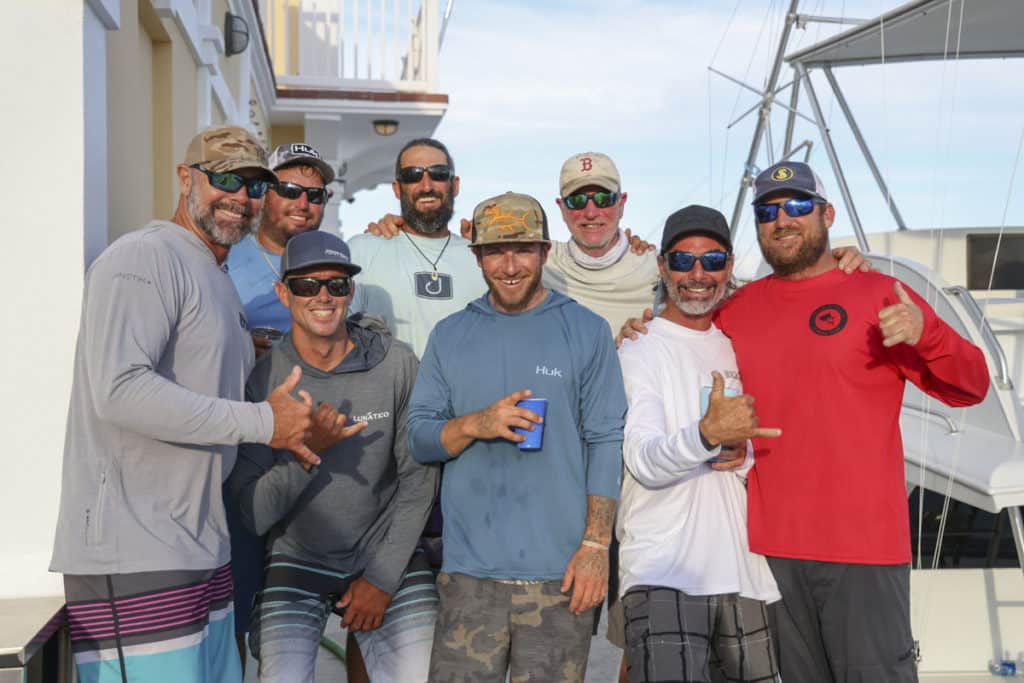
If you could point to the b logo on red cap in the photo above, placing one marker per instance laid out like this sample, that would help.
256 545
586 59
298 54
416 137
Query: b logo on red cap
782 174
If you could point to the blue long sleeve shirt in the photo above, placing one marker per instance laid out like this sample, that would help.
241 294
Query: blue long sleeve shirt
511 514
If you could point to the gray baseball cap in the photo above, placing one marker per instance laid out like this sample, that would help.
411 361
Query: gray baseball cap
301 154
794 176
316 248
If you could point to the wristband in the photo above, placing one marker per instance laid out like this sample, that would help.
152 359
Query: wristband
594 544
704 441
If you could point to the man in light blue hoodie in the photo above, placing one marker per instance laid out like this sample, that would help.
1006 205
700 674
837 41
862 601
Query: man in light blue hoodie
526 531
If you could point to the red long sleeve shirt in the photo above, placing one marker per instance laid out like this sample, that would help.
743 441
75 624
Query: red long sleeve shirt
831 488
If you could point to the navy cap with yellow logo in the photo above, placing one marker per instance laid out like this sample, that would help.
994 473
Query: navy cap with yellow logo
793 176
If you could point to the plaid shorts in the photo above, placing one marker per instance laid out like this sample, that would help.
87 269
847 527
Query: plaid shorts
672 636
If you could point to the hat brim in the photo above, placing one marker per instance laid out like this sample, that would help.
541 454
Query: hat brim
510 241
787 188
224 165
322 167
349 268
607 183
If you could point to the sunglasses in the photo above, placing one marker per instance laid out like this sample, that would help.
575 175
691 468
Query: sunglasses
413 174
601 199
317 195
794 208
231 182
310 286
710 261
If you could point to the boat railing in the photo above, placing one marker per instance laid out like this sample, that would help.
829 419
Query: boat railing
373 45
1002 376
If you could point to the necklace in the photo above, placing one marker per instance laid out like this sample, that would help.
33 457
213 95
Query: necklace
270 264
433 264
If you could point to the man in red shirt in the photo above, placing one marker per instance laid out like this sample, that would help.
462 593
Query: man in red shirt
827 355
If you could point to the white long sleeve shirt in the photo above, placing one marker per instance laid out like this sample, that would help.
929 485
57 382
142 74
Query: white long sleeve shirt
681 524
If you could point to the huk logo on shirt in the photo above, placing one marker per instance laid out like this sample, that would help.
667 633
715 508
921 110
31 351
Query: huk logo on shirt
548 372
433 285
828 319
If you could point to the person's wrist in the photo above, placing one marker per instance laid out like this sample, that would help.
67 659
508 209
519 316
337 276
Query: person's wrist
708 444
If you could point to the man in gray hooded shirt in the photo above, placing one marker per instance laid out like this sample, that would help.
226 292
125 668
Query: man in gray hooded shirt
342 535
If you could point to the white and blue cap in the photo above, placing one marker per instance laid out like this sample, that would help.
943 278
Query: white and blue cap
316 248
794 176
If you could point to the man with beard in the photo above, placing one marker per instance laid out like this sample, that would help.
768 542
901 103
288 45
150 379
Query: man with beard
294 204
426 272
526 531
155 417
828 356
687 573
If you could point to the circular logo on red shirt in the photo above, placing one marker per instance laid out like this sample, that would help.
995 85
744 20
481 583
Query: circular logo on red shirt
828 319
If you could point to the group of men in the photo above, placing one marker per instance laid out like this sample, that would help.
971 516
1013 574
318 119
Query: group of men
388 370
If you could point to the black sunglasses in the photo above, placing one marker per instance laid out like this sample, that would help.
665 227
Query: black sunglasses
231 182
310 286
317 195
413 174
684 261
794 208
602 199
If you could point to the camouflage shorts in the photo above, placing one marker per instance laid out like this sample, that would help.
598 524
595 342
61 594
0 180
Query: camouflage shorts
487 627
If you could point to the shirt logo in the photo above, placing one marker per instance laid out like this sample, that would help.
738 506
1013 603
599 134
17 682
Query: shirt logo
242 321
549 372
828 320
370 417
433 286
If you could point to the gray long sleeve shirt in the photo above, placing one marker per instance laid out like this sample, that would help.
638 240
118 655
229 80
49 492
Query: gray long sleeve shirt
364 507
156 409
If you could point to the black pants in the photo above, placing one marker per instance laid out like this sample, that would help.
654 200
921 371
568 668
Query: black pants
844 622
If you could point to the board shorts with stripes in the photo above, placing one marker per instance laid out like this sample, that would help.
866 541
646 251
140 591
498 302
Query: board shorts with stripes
672 636
153 627
298 598
489 626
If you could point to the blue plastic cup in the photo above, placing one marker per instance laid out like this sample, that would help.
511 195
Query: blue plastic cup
535 438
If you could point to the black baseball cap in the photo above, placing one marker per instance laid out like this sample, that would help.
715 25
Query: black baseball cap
316 248
794 176
695 220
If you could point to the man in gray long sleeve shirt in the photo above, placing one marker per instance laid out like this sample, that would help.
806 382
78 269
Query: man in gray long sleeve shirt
155 417
342 535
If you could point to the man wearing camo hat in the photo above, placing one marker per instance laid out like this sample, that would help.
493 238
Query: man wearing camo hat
156 415
526 531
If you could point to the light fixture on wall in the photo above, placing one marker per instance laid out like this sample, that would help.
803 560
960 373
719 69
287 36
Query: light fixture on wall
236 34
385 127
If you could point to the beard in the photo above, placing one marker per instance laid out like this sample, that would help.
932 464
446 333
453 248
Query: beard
697 308
812 247
218 234
427 222
521 302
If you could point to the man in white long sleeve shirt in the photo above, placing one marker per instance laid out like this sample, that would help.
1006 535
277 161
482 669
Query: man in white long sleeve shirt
694 594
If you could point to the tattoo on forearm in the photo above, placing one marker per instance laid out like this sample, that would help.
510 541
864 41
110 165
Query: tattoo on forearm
600 517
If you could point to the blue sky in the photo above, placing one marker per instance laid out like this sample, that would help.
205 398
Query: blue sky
531 83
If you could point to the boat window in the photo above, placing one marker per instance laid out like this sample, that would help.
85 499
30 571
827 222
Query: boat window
1009 270
973 538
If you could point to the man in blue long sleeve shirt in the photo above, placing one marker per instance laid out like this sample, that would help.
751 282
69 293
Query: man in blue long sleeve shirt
526 532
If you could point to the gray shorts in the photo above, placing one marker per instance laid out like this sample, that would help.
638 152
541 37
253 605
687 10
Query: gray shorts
844 622
487 627
672 636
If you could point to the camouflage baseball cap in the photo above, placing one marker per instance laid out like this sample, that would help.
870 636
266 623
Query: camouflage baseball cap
588 168
228 148
301 154
509 217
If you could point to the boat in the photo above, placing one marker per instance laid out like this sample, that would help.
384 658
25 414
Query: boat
964 466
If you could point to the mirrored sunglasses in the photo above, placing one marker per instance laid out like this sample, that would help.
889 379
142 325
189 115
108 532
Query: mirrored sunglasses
794 208
602 199
231 182
684 261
